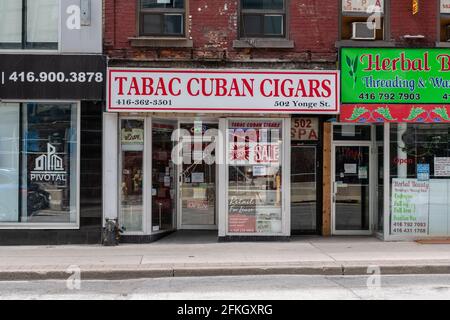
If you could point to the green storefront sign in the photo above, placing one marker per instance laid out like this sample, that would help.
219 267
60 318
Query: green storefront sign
383 75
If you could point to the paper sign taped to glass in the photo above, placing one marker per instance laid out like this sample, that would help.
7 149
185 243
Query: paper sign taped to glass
410 206
442 166
241 215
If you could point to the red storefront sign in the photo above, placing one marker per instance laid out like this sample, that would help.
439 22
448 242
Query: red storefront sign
378 113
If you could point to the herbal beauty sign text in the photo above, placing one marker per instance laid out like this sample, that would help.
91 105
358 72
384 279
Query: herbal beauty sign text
383 75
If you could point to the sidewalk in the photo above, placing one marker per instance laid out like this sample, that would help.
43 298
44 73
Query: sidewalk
193 255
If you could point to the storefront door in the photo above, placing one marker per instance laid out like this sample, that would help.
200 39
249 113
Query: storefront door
163 175
197 177
304 189
351 188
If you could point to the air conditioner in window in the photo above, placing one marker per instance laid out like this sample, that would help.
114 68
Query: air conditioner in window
363 31
447 32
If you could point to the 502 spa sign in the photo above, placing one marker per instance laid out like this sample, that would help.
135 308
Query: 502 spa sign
383 75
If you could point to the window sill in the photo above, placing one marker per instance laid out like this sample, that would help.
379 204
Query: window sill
263 43
364 43
443 44
151 42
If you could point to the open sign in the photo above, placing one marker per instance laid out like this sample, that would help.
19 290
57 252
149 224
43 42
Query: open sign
305 129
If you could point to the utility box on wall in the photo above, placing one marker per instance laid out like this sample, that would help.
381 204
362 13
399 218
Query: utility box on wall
81 26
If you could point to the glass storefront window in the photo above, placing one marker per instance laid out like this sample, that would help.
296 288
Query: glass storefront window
163 176
36 29
198 175
132 173
254 158
9 162
38 163
420 179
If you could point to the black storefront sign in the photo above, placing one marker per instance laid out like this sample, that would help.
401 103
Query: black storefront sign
55 77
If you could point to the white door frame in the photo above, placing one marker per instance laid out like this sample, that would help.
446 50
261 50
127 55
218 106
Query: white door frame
150 163
371 186
180 225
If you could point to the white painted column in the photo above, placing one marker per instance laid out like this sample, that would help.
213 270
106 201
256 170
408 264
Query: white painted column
147 184
402 166
286 175
222 176
110 166
387 181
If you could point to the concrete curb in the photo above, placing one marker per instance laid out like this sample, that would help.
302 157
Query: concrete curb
139 272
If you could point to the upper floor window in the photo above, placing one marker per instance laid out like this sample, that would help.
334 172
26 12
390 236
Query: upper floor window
444 20
363 20
161 18
263 18
29 24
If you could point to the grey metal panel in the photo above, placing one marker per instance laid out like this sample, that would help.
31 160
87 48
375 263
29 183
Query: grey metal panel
77 36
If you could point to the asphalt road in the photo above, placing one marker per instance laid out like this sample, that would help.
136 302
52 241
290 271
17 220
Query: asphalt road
242 287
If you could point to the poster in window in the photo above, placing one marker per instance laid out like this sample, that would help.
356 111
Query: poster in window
241 215
410 207
423 171
445 6
350 168
198 177
132 136
442 166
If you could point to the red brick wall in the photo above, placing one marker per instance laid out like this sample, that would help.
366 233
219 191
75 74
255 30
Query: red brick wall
213 25
403 22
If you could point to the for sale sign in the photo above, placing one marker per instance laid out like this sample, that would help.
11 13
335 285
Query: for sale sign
234 91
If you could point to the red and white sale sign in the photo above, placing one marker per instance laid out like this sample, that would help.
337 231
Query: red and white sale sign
169 90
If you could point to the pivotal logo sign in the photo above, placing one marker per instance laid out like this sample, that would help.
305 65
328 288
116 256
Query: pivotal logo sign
48 167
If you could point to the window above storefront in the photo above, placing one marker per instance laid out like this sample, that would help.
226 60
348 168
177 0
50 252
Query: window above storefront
29 24
263 24
444 22
162 18
364 23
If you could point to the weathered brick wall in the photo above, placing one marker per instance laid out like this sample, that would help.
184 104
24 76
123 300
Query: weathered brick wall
403 22
213 25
